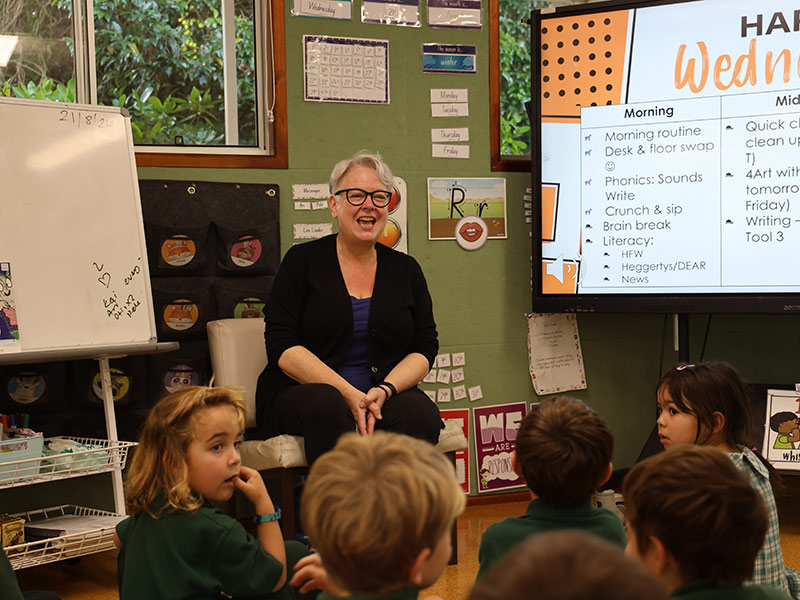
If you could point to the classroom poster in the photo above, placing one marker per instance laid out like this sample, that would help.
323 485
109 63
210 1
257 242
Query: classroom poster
782 429
461 416
455 14
324 9
452 199
554 353
495 433
9 327
340 69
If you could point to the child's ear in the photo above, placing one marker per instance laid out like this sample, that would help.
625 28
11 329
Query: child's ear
515 464
415 574
607 476
719 422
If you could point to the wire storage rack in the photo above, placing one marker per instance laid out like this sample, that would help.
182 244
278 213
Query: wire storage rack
91 456
77 531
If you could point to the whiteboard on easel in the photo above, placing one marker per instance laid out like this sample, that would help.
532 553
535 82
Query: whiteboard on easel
73 262
782 429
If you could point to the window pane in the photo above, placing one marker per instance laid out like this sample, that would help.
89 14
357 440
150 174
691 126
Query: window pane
36 50
515 76
163 61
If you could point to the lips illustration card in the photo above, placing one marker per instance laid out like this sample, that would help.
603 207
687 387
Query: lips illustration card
450 199
554 352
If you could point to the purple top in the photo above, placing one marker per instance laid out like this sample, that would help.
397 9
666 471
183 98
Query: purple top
354 366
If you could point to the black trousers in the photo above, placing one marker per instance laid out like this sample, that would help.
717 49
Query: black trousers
319 413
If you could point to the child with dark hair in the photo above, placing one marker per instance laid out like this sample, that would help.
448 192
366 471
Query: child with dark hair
563 450
707 404
567 565
785 425
694 520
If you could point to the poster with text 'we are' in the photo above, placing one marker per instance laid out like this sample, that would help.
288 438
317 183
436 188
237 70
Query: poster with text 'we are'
496 430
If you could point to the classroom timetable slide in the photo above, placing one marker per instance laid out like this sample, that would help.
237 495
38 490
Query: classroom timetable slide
675 166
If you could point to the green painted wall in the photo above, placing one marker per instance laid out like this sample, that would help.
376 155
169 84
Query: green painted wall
480 298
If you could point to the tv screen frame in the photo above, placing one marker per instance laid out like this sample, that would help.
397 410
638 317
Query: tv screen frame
740 301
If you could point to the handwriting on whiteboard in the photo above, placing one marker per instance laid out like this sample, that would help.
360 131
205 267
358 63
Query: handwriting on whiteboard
115 305
80 118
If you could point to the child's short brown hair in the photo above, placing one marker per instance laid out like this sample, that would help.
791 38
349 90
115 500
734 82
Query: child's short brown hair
563 449
158 467
702 508
568 565
373 503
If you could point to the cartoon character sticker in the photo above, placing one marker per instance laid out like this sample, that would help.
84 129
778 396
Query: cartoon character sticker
246 252
180 376
120 385
9 327
178 250
786 425
26 388
181 315
249 308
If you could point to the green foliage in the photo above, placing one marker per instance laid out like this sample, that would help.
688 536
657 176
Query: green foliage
515 75
162 60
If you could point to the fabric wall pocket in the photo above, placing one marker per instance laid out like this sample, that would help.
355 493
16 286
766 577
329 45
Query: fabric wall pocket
183 306
169 372
251 251
242 297
32 388
128 383
179 251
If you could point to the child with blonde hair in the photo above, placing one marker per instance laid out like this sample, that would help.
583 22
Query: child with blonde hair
175 544
707 404
379 511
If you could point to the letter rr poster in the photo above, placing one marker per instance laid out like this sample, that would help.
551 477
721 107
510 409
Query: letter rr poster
495 434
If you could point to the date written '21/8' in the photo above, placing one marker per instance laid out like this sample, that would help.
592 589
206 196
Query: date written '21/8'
80 119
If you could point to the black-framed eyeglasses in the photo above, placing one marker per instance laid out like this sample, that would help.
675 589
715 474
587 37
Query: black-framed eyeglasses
357 196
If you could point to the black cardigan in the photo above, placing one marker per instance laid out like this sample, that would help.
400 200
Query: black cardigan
310 306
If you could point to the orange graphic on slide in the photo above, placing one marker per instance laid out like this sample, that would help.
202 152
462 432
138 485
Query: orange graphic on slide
549 211
583 58
559 276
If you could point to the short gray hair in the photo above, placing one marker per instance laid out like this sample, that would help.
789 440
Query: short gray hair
362 159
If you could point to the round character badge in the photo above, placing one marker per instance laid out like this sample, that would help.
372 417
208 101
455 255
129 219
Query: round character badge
471 232
181 315
180 376
120 385
249 308
246 252
26 388
178 251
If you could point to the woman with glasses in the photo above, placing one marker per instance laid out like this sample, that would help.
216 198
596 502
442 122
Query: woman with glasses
350 330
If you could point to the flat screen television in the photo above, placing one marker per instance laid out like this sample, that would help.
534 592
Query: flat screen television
667 177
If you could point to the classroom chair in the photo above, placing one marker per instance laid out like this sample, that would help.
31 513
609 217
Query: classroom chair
238 356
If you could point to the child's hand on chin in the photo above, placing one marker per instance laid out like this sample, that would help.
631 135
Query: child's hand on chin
249 482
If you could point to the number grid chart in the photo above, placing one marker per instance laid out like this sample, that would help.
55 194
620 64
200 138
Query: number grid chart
339 69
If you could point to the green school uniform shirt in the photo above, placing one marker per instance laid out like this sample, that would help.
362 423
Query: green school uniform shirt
539 517
705 590
406 594
194 555
9 588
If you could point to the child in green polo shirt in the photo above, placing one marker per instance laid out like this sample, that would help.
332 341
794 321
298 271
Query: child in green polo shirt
175 544
696 523
563 450
569 565
379 511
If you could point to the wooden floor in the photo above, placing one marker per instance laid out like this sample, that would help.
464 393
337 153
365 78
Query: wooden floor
94 577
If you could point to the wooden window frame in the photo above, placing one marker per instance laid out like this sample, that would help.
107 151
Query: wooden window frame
499 163
278 160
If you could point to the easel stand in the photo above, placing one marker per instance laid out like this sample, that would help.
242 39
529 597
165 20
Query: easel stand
111 429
